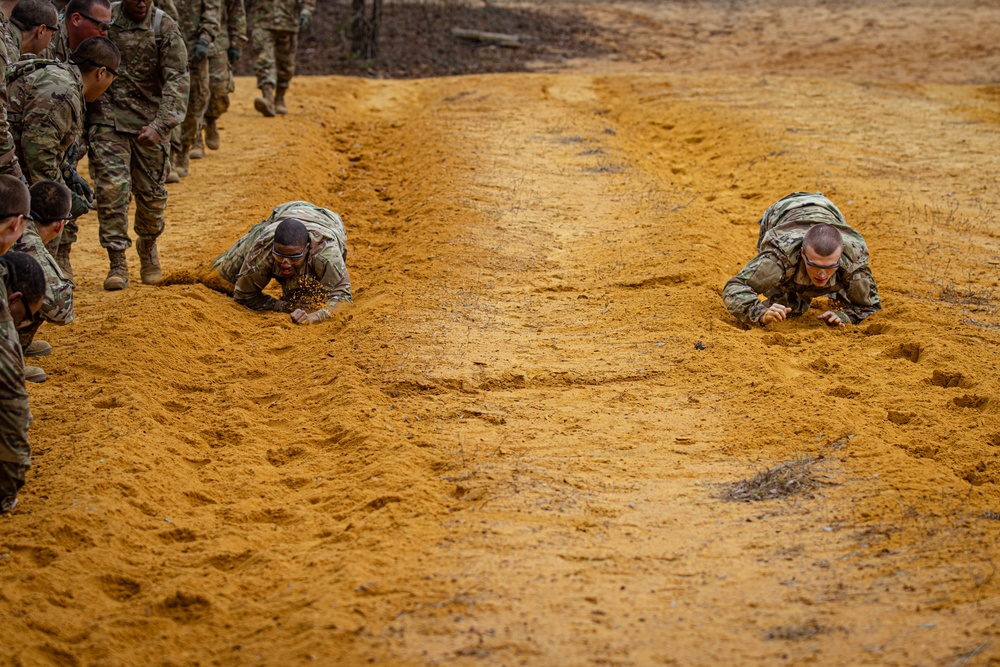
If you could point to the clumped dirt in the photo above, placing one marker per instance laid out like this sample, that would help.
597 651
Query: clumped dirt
510 450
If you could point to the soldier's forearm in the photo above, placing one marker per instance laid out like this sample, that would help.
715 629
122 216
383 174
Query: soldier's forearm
259 301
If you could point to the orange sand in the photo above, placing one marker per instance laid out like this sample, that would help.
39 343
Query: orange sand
510 451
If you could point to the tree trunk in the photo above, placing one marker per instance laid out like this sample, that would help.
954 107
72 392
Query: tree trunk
364 29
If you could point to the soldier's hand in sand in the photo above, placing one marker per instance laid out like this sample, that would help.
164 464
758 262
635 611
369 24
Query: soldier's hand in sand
831 318
300 316
776 313
149 137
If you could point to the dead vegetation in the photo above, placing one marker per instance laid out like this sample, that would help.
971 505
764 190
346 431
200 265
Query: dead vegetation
781 481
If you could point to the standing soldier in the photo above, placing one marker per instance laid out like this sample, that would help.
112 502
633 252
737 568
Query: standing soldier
129 131
34 23
82 20
199 22
227 50
8 158
47 107
276 24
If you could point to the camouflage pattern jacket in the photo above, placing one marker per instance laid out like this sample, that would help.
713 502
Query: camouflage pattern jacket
46 115
779 272
58 48
15 413
281 14
152 83
250 266
11 42
234 20
200 19
8 157
57 306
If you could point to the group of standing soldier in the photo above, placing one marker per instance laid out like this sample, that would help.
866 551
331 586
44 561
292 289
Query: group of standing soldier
138 89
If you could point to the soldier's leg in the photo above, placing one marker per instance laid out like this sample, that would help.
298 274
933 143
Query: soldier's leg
197 103
220 84
149 173
286 44
11 480
176 170
110 168
265 69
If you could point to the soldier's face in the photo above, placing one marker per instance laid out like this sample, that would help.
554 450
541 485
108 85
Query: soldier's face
135 9
92 24
288 259
820 267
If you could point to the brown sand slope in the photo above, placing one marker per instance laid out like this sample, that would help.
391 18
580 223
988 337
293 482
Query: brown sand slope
511 450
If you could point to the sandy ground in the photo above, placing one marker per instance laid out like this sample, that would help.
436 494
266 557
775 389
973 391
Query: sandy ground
511 450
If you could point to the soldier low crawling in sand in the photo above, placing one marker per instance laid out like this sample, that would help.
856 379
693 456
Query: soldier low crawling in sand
303 247
805 250
50 210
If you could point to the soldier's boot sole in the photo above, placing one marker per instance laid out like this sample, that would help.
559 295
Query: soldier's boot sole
212 139
173 176
34 374
264 106
197 152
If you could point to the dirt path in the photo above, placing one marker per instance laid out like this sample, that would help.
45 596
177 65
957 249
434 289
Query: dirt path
511 449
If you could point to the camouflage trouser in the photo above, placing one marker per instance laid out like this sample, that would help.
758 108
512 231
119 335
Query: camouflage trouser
197 103
11 481
121 169
230 262
220 83
276 56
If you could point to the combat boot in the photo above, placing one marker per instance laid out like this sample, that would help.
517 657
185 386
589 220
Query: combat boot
172 175
149 260
265 103
198 150
279 101
118 275
34 374
37 348
212 139
182 163
62 259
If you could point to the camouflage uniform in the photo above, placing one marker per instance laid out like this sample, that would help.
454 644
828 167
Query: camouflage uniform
151 89
200 20
250 266
8 157
275 34
779 273
57 306
15 413
220 71
46 115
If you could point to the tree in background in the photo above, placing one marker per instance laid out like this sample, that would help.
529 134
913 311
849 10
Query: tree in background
364 28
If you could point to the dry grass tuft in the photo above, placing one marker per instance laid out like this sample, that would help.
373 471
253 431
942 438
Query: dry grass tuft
781 481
